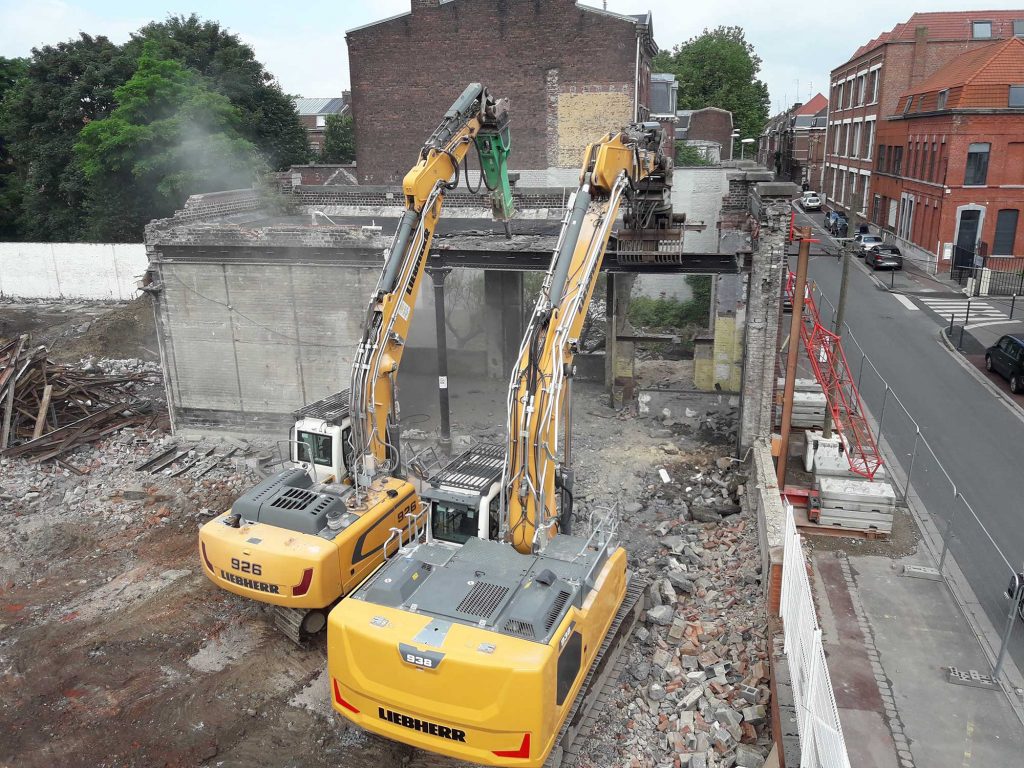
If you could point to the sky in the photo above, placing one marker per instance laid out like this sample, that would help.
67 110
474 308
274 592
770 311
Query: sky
303 44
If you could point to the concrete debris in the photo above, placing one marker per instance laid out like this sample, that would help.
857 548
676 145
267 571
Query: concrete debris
703 642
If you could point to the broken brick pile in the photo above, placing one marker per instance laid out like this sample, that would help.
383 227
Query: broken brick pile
695 693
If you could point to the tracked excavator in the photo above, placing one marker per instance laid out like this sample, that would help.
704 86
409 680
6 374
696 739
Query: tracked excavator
308 535
482 642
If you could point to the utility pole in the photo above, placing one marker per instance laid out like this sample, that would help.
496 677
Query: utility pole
803 258
837 328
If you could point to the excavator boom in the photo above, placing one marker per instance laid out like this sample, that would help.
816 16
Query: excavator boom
474 120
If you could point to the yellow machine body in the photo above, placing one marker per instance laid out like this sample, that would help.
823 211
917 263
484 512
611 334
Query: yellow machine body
499 707
299 570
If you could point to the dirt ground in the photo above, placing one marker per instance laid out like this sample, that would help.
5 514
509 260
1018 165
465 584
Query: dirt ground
114 648
73 331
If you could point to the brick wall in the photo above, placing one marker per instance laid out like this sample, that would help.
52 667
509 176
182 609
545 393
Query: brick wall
712 125
541 54
935 216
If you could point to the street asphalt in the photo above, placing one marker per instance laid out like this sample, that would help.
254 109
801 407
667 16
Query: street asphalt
974 431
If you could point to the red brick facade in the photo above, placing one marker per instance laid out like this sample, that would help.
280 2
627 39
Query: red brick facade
867 88
569 71
920 184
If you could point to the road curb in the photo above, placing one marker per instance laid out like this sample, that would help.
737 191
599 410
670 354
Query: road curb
947 344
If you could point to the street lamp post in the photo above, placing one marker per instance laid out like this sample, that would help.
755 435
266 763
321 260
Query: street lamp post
743 146
732 145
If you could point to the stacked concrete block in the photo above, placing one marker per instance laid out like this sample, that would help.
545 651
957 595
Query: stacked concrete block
809 404
859 504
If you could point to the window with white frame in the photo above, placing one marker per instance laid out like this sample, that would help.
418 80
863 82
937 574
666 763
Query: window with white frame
321 121
981 30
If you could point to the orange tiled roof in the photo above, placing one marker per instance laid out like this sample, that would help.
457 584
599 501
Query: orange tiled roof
1000 63
945 25
814 106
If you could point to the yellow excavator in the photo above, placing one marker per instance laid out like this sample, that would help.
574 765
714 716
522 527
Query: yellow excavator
478 641
307 536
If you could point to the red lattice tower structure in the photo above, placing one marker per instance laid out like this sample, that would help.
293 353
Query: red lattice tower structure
825 352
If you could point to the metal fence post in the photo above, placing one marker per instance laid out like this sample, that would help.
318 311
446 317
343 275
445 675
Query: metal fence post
1013 300
948 534
881 414
1010 620
913 458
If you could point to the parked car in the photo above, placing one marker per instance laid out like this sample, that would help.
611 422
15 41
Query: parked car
884 257
1006 357
867 243
836 224
811 203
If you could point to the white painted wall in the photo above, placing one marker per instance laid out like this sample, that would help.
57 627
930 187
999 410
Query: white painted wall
71 270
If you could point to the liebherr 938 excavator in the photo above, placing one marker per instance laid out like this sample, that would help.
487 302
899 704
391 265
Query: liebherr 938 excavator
307 536
476 643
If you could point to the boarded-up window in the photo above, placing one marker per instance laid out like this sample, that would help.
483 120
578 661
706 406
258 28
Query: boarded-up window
1006 232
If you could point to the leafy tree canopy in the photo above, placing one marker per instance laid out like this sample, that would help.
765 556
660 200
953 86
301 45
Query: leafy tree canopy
339 140
719 68
64 87
171 135
267 115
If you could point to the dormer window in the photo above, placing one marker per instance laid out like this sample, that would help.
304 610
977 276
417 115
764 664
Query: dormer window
908 105
940 102
1016 96
981 30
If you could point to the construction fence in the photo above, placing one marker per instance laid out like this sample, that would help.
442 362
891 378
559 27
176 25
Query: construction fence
965 551
821 735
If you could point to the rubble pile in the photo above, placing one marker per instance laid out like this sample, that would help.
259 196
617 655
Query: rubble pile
695 691
48 410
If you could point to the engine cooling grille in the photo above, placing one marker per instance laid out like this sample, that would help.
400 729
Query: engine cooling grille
294 498
482 599
556 610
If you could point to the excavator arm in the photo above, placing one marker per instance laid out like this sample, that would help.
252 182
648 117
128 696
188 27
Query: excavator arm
624 168
475 120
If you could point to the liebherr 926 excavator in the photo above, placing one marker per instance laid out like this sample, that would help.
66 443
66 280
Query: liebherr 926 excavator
300 541
476 643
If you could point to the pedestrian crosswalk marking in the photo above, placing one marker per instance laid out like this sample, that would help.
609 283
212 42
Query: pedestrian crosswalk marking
980 310
905 302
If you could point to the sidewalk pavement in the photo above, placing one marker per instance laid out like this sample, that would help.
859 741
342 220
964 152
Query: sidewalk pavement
889 640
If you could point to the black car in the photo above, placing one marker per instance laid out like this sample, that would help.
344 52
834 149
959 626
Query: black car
836 223
884 257
1006 357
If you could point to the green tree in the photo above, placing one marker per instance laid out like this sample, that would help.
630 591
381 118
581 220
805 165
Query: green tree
63 88
718 68
170 136
11 70
339 140
688 155
267 116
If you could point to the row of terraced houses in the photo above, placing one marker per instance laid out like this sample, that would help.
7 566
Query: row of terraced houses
924 139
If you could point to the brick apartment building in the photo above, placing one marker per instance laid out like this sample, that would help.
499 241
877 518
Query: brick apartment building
948 179
313 114
793 142
868 87
571 72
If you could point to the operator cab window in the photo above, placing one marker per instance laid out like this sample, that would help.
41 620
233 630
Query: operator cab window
494 518
453 522
314 447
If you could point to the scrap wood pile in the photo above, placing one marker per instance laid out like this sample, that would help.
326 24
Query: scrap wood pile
48 409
